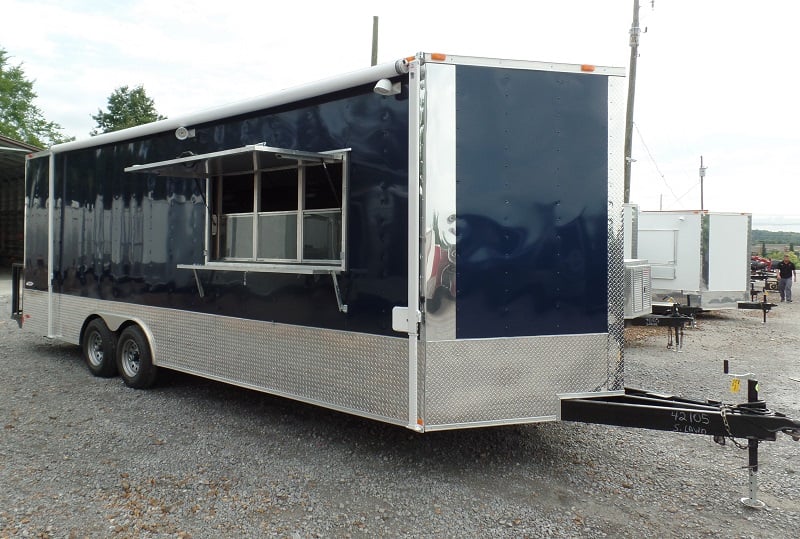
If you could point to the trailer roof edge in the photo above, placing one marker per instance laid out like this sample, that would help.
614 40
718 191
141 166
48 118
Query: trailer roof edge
304 91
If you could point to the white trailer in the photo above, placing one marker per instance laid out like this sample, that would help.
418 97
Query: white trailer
699 258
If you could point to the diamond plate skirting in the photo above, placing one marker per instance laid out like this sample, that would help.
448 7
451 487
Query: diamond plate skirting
494 381
462 383
352 372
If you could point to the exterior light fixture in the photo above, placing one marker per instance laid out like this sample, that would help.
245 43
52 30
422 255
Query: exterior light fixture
385 87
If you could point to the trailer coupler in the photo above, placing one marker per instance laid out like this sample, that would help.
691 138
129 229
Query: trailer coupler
764 305
638 408
674 321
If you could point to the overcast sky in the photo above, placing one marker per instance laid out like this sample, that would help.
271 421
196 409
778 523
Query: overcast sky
715 78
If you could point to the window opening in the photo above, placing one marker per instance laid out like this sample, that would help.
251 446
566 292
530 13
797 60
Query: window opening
269 209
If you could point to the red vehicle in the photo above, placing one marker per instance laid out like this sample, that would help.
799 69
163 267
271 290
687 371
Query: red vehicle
759 263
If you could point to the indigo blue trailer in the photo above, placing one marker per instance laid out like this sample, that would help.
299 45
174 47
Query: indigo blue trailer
434 242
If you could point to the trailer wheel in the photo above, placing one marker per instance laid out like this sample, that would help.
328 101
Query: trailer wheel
99 349
134 359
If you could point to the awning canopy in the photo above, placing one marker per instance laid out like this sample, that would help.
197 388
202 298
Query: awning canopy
244 160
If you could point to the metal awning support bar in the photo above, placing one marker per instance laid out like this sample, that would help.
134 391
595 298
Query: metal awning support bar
200 290
342 307
244 268
244 160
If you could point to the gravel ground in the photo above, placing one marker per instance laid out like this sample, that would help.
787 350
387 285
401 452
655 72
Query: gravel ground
89 457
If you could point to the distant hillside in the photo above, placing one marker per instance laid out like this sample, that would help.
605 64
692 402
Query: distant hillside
768 236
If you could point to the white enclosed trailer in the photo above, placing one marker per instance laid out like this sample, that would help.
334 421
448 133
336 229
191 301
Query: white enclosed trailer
698 258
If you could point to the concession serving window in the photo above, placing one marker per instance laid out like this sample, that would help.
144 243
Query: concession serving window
268 209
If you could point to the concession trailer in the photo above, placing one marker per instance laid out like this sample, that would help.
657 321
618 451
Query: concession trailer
698 258
431 242
434 242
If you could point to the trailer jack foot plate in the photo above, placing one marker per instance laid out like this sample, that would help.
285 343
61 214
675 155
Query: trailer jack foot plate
753 503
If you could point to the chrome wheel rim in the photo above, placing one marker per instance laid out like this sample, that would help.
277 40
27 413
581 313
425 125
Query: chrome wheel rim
94 349
130 358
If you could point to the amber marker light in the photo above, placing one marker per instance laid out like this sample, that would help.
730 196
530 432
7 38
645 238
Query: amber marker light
587 68
438 56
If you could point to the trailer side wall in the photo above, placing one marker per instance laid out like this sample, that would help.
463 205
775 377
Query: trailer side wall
120 236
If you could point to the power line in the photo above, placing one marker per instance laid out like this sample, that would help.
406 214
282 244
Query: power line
692 188
652 160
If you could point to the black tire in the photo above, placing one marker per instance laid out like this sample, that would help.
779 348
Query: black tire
99 347
134 359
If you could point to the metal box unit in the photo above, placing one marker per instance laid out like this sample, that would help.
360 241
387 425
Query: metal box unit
638 294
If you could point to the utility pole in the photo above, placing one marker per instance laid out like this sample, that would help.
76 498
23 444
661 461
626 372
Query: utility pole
374 40
702 175
634 33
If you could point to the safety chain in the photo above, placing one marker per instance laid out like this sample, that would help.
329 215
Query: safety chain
723 410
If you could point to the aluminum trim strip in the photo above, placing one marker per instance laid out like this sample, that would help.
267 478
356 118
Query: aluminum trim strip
413 293
50 247
479 424
523 64
439 212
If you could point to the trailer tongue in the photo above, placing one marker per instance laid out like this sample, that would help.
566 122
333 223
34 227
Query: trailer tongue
643 409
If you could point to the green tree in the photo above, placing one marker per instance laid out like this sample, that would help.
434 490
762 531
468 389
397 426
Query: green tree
126 108
20 119
778 255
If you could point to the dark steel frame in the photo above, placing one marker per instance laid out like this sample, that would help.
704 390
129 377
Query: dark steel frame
17 271
656 411
643 409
